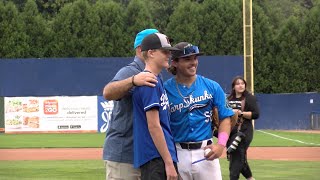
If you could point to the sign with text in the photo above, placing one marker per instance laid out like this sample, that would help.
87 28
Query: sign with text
50 114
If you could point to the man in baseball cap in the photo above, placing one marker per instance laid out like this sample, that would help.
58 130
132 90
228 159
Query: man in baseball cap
192 98
157 41
185 50
154 148
141 35
118 145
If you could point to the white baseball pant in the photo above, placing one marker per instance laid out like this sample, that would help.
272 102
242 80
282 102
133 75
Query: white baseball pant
204 170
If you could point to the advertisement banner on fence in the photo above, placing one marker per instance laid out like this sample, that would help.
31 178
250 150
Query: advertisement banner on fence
50 114
104 114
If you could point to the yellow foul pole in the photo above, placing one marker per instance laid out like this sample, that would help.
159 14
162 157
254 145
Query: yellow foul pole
248 44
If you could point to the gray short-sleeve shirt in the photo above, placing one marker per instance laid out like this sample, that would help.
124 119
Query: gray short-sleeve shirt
118 145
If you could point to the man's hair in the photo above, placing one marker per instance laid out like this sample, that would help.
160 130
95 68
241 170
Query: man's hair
172 70
145 55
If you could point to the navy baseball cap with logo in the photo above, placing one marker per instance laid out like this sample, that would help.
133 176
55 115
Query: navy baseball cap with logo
186 49
157 41
141 35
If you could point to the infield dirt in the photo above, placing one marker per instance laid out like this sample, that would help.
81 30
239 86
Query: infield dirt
259 153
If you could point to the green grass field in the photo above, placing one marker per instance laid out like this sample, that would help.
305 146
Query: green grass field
271 138
96 140
51 140
94 169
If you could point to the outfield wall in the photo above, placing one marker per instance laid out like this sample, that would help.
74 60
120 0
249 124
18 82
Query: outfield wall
50 81
64 94
87 76
287 111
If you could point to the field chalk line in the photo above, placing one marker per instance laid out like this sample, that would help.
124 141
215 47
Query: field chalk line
288 138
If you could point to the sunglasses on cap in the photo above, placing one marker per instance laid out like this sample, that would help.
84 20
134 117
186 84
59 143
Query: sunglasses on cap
190 49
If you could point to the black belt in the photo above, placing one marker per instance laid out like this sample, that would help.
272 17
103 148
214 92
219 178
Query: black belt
190 146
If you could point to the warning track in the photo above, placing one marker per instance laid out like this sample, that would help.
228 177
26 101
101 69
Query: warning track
259 153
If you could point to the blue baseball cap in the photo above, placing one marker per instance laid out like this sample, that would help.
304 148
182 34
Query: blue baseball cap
141 35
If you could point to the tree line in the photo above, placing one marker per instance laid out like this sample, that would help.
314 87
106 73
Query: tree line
286 55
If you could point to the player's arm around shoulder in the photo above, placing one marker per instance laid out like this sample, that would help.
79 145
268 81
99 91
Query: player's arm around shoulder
115 90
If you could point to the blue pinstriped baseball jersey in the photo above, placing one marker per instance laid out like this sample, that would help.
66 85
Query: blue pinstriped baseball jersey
144 99
191 108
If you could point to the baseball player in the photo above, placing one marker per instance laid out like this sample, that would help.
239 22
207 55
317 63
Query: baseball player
154 149
192 98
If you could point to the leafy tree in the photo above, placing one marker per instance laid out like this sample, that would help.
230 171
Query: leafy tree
263 48
211 27
286 33
310 39
50 8
137 18
289 77
109 35
161 12
12 35
122 2
232 37
184 23
221 27
72 28
19 3
279 12
36 30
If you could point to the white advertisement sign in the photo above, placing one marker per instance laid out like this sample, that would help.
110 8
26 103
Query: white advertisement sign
50 114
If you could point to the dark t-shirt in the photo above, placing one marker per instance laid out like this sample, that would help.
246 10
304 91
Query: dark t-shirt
250 105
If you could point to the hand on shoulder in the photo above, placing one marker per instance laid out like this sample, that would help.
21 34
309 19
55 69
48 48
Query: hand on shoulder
145 79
